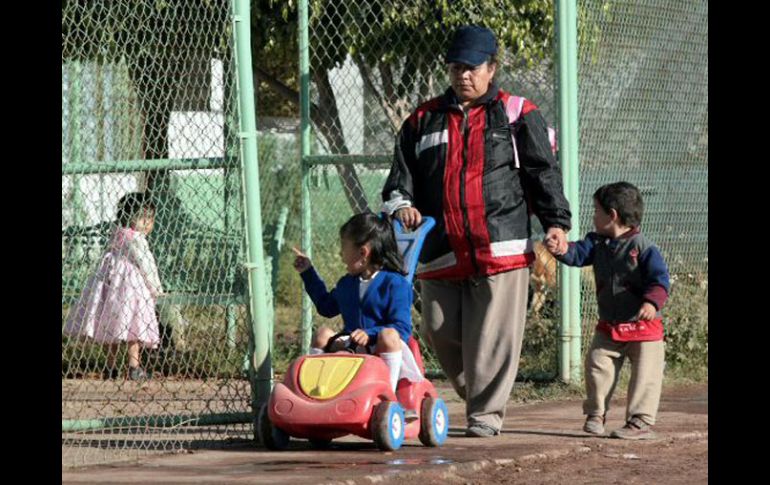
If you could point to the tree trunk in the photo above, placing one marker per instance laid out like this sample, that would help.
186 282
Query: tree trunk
325 117
155 94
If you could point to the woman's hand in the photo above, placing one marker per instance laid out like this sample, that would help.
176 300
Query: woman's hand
556 241
409 217
301 262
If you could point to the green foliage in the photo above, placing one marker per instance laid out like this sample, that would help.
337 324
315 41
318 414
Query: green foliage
106 31
686 323
413 34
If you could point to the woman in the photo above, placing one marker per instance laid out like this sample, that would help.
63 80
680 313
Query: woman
478 160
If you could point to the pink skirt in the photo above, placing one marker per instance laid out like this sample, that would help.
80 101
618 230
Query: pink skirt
116 306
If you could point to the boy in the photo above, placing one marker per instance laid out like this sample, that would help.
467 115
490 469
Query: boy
632 285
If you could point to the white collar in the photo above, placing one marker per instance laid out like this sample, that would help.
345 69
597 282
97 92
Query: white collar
374 275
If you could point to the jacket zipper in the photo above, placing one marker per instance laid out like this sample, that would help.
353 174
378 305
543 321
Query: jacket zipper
463 205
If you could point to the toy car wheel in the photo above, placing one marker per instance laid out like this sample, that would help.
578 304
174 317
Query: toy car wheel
434 422
388 425
319 443
272 438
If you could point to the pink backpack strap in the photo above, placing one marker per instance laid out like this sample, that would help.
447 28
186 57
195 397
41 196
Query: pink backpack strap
513 109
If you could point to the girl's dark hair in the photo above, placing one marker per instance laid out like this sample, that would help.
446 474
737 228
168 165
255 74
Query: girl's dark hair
369 228
130 206
625 198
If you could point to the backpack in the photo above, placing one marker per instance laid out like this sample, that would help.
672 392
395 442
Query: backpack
513 110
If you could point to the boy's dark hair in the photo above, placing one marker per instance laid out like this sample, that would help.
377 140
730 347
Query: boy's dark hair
625 198
369 228
130 205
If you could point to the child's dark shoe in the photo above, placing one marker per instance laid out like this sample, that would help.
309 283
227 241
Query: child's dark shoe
635 429
594 425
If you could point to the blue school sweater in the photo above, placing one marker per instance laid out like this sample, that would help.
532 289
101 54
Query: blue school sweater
387 302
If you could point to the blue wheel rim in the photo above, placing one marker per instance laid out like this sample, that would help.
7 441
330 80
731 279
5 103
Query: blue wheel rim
396 425
440 421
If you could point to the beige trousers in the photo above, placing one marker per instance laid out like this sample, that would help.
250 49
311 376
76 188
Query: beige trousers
602 369
476 327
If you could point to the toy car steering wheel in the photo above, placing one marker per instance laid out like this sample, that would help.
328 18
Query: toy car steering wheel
350 347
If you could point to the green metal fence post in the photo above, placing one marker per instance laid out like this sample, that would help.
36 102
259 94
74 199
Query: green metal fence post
304 97
570 331
261 370
230 129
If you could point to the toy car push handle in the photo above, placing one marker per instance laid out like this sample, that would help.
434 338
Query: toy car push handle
410 243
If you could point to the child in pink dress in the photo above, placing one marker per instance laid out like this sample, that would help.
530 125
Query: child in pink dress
118 302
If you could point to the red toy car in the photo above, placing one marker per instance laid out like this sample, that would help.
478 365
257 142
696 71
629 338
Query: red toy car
328 396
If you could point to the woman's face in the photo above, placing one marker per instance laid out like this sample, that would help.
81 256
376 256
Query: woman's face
470 83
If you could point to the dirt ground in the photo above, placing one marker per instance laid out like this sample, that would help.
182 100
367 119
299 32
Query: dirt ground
541 443
670 461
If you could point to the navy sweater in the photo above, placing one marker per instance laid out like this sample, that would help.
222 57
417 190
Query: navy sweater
628 270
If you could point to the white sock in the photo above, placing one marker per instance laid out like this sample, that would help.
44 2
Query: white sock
315 351
393 361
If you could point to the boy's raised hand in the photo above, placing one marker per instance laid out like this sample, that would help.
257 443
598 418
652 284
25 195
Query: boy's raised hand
301 262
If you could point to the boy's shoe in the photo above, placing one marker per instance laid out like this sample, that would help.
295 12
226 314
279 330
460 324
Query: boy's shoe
594 425
410 415
481 430
138 374
635 429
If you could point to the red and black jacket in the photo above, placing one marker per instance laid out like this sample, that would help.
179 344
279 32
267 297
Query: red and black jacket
479 176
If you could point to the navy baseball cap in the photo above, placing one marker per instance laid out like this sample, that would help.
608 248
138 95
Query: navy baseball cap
472 45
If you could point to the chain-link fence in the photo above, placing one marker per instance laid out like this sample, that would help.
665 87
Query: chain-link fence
643 85
371 64
643 116
149 106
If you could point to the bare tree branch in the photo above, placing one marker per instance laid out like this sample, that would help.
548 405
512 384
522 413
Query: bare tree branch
366 75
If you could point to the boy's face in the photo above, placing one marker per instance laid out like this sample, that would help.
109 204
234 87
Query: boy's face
352 256
604 223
